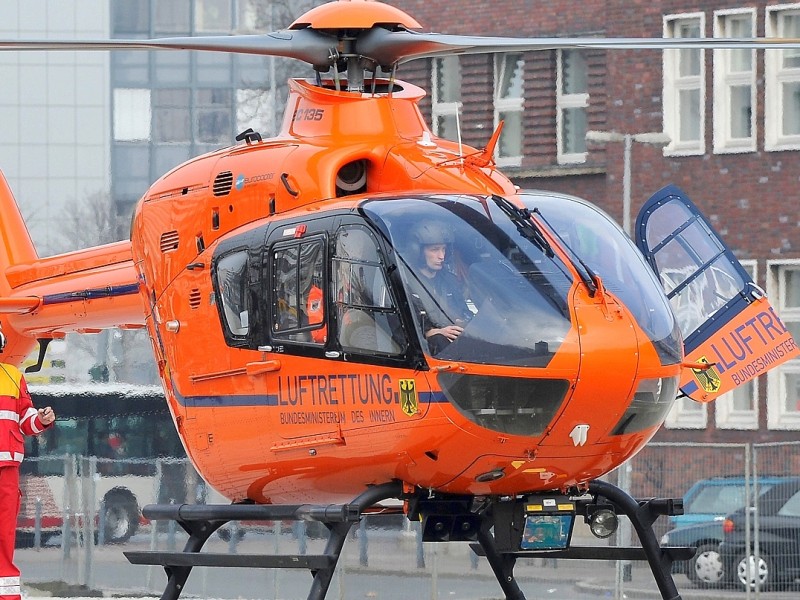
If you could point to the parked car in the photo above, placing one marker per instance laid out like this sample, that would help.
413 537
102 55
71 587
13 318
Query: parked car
715 497
705 505
777 516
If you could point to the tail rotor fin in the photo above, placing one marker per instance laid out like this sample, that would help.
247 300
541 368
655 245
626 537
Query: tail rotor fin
16 247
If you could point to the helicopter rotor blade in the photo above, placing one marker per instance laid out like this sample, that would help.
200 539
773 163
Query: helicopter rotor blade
393 47
308 45
387 47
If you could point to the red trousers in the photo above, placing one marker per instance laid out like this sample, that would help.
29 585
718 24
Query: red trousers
9 509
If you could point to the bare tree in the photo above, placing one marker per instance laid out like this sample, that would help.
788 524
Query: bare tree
264 108
116 355
91 221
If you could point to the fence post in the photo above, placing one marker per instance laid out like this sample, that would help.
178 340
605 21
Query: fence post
233 530
623 567
363 543
89 511
749 461
434 571
66 534
171 526
101 524
276 572
301 535
70 500
420 546
37 525
756 549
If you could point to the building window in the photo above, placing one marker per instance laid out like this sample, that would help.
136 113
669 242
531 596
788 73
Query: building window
734 85
509 98
131 17
213 115
172 17
446 97
783 382
687 414
572 100
213 16
738 409
684 91
782 81
132 115
172 120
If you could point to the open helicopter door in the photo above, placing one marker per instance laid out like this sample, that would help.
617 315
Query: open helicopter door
731 332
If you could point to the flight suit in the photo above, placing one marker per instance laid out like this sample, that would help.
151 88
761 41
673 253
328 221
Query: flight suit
18 417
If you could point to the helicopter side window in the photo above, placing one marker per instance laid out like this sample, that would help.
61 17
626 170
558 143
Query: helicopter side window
367 314
298 309
232 285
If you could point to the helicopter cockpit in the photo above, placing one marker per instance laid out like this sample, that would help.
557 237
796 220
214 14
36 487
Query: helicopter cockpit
500 282
505 292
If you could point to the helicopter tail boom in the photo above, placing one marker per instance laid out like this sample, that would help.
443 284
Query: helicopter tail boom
82 291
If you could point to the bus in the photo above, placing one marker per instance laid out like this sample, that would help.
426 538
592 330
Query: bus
121 439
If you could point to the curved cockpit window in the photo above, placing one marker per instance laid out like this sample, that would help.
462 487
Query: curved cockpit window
481 287
603 246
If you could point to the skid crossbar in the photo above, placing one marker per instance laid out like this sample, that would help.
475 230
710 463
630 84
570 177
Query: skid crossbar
200 521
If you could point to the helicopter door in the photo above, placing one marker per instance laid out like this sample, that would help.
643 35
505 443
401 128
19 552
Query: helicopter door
731 333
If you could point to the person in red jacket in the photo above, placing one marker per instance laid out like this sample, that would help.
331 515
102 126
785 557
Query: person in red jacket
18 417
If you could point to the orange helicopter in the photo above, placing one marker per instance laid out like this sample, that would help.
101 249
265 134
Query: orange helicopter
356 311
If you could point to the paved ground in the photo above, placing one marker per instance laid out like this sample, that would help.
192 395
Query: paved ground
388 554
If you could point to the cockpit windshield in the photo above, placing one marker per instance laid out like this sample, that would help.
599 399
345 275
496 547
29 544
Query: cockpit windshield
599 242
482 288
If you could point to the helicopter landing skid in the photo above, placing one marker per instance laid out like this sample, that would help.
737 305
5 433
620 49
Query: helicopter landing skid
200 521
642 514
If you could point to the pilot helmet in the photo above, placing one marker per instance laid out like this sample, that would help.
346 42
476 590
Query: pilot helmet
432 232
429 233
2 339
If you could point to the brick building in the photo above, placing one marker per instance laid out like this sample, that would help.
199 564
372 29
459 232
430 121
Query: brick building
733 118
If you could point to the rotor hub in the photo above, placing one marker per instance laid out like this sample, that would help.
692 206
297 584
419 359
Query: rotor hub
354 14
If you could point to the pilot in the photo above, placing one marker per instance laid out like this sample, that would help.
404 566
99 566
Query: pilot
437 294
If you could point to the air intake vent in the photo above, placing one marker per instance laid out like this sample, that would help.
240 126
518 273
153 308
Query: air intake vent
169 241
223 183
194 298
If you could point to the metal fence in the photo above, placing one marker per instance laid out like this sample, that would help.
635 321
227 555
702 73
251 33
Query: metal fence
79 514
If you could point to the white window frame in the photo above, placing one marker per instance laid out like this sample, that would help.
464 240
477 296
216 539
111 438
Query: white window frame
774 78
503 106
725 414
687 414
440 108
725 79
564 102
673 85
777 416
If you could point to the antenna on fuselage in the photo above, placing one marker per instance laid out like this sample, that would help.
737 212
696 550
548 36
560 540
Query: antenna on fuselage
458 132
